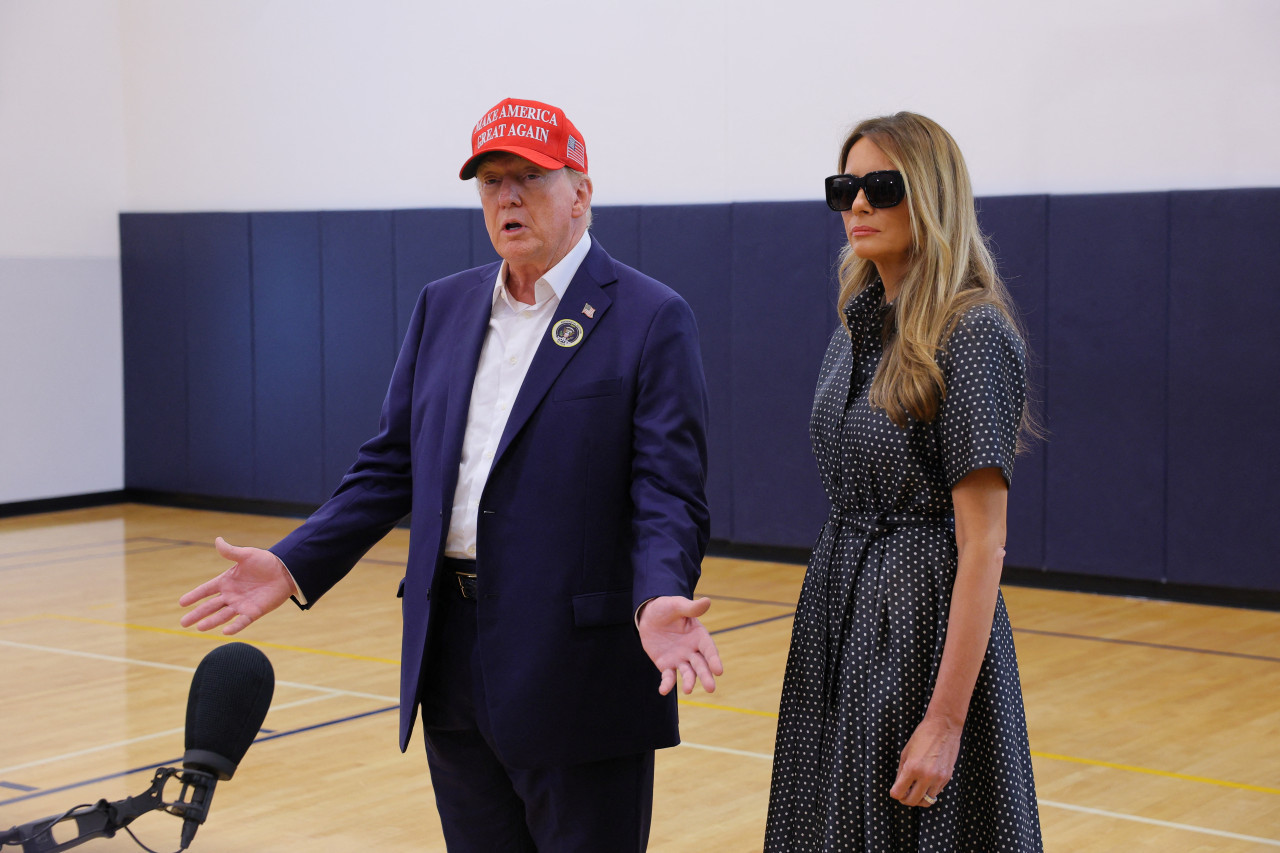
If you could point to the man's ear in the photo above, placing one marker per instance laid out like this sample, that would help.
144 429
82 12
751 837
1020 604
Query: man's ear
582 198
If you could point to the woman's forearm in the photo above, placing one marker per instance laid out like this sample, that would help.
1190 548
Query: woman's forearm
980 500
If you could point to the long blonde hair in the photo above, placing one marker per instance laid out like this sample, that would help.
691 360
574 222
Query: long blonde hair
951 268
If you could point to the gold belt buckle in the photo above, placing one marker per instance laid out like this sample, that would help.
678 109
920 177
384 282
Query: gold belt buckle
462 587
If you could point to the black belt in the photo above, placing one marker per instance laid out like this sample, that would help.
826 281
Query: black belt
464 572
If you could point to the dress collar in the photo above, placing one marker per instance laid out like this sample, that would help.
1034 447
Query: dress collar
866 304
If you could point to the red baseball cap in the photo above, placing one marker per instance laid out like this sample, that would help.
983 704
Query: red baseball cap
538 132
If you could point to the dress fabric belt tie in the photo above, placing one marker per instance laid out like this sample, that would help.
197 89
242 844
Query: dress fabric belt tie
870 526
884 522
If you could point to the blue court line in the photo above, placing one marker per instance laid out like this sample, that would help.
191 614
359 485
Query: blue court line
714 597
753 624
1164 647
304 729
1161 646
15 786
175 761
62 549
122 552
195 544
107 543
158 544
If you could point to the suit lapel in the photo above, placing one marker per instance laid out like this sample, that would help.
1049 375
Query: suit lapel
472 318
584 292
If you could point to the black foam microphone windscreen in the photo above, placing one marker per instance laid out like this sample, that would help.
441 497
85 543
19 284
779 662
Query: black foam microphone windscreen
230 694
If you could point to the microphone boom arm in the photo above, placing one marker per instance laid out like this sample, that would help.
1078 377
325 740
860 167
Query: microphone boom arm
104 819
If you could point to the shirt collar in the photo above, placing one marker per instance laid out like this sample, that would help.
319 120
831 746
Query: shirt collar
554 282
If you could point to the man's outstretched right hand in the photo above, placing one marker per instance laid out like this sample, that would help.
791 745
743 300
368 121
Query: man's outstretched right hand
257 584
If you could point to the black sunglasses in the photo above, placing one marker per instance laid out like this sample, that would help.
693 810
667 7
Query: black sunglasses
883 189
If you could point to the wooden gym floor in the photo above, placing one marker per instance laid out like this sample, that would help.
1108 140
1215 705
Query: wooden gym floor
1154 726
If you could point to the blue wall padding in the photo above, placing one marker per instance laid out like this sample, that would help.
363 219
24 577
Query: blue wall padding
219 320
154 307
358 274
1019 225
837 239
288 358
1224 405
1106 357
429 244
258 348
481 246
687 247
618 230
781 316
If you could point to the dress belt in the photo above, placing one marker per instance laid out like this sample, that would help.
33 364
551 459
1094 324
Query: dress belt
464 572
833 613
875 524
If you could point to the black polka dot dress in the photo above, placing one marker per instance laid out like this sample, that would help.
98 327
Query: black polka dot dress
872 616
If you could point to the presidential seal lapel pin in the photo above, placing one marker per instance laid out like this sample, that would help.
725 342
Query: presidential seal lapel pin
566 333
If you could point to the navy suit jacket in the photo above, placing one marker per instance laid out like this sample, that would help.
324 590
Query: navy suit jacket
594 504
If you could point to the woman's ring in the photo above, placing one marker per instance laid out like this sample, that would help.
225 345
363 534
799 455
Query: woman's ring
930 800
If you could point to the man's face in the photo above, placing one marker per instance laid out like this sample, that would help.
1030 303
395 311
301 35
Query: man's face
533 215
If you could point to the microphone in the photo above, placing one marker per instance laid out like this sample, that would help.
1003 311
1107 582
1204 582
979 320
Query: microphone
230 694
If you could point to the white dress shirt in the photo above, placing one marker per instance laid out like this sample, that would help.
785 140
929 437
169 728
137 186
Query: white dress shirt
515 331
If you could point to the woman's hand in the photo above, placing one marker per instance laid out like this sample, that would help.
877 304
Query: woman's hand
927 762
929 759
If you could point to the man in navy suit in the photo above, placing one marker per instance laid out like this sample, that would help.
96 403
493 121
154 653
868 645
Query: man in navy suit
545 429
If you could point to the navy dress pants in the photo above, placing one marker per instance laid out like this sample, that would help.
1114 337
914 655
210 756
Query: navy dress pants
488 807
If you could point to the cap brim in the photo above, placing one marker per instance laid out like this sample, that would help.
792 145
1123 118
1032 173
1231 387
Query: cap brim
535 157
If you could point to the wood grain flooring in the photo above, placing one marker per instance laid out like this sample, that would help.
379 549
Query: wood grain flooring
1154 726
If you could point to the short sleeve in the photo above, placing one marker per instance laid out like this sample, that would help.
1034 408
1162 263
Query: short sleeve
984 366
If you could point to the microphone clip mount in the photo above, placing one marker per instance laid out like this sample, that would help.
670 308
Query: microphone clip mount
104 819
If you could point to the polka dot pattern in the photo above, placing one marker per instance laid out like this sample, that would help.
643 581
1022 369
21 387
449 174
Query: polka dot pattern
872 616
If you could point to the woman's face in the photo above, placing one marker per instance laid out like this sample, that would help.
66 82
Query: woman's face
881 235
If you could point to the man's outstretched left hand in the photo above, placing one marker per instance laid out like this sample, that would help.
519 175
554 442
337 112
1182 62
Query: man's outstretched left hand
677 642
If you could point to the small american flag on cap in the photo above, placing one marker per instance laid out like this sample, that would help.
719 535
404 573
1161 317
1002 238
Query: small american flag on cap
574 150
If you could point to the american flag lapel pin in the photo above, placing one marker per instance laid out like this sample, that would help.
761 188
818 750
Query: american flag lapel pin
589 310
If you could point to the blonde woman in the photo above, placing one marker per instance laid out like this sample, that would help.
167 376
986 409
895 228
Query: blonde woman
902 725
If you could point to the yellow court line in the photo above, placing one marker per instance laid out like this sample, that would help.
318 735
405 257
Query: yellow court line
696 704
18 620
1222 783
219 638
